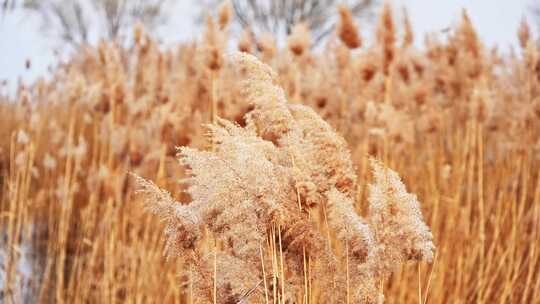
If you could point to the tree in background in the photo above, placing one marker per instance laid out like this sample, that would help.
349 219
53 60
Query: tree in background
278 17
78 21
7 6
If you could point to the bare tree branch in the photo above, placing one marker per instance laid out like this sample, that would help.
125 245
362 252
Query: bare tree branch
82 21
279 16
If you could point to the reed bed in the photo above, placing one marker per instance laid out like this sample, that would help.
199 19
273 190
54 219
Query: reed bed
459 122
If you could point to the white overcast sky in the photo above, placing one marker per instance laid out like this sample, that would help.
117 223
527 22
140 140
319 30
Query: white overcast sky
496 21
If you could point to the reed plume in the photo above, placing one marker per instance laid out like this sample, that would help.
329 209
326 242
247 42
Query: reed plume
347 29
284 165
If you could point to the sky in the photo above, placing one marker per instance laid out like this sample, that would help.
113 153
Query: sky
496 21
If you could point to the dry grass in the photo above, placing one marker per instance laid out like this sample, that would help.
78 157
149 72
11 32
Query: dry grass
460 123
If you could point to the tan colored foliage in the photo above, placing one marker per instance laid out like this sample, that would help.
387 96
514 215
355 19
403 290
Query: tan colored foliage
459 122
